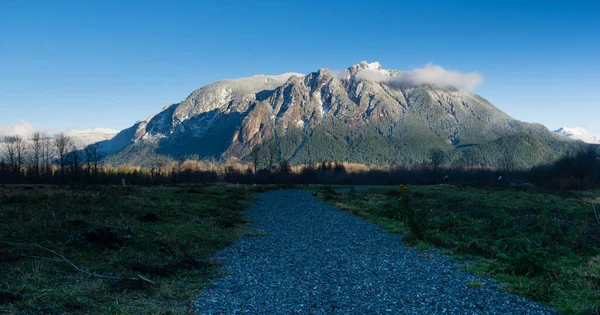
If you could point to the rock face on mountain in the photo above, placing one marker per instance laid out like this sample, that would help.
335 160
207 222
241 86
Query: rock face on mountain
361 114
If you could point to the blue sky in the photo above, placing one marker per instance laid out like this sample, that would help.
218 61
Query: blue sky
87 64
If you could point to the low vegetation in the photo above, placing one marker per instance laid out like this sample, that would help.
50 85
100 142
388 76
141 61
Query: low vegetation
542 245
111 249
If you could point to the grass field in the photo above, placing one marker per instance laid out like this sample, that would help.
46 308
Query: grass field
542 245
112 250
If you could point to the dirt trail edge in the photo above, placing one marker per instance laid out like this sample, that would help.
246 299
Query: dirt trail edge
312 258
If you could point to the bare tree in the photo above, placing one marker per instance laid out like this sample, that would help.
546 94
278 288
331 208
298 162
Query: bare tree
20 151
92 158
10 151
62 143
285 167
178 168
180 160
159 166
47 153
75 155
154 170
272 148
36 152
88 161
15 152
272 151
255 157
3 168
436 157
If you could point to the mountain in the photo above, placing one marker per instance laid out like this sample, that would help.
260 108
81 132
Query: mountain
363 114
579 134
86 137
26 130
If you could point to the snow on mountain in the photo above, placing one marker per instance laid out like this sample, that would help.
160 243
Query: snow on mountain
374 66
578 133
90 136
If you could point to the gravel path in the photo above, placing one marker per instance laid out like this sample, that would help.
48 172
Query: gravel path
316 259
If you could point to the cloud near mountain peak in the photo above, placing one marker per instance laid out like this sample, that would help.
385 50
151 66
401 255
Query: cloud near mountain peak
429 74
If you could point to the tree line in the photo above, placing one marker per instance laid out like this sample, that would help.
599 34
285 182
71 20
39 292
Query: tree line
61 159
42 158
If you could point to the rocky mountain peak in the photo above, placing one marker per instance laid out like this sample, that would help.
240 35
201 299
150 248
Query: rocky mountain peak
364 65
368 65
364 113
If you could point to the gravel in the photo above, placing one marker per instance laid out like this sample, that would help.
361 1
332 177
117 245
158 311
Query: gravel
315 259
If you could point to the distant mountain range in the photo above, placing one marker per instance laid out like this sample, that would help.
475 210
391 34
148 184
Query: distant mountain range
579 134
81 137
363 114
86 137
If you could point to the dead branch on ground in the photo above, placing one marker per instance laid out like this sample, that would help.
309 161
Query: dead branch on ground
596 213
60 258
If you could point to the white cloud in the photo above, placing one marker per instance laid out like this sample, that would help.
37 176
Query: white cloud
340 74
22 128
430 74
374 75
